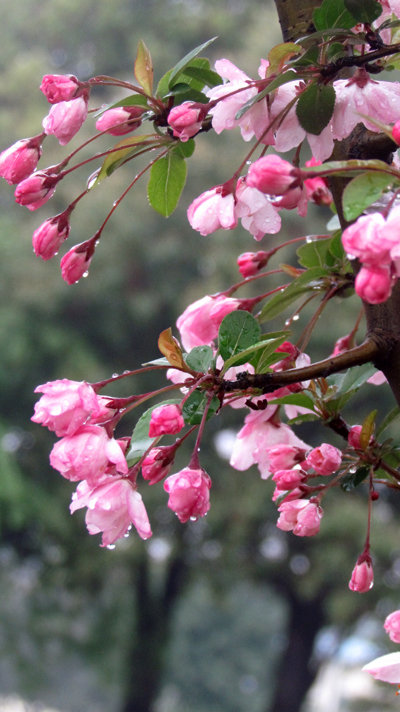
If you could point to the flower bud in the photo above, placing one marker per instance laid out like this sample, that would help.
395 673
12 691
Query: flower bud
20 160
392 626
396 133
75 263
157 463
59 87
362 577
325 459
185 120
165 419
374 284
65 119
36 190
189 495
48 237
272 175
120 121
250 263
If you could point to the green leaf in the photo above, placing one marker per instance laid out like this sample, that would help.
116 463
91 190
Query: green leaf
190 77
300 399
200 358
184 92
185 148
262 351
280 54
284 78
314 253
388 419
365 11
315 106
354 378
351 167
205 76
167 179
143 68
194 407
140 440
304 418
238 331
367 429
123 151
353 479
309 281
331 14
180 66
362 191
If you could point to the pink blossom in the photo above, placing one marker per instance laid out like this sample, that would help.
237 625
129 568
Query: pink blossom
301 516
272 174
344 343
48 237
317 188
76 262
365 239
385 668
374 284
229 98
284 457
65 405
120 121
212 210
353 437
396 133
250 263
261 431
362 577
200 322
392 626
289 479
113 506
65 119
166 419
20 160
157 464
189 495
325 459
36 190
86 454
59 87
257 213
186 120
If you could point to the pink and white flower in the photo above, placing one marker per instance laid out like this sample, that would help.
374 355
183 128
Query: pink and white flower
189 495
120 121
212 210
300 516
113 505
385 668
362 577
65 119
256 211
166 419
325 459
66 405
200 322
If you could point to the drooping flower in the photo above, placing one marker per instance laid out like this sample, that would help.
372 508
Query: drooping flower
76 262
166 419
200 321
20 160
300 516
113 505
186 120
189 495
362 577
65 405
65 119
36 190
48 237
325 459
256 211
59 87
157 464
212 210
385 668
121 120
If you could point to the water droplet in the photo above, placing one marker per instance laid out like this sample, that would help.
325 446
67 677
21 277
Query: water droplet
111 546
193 519
85 274
296 317
309 238
248 163
115 375
353 470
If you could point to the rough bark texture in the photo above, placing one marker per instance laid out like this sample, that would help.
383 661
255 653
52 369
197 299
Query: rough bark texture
296 17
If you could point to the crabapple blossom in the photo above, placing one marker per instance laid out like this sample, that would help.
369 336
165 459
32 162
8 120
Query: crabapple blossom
166 419
157 464
200 321
272 175
229 98
48 237
76 262
257 213
316 188
120 121
354 436
385 668
392 626
87 454
396 132
36 190
284 457
374 284
300 516
325 459
20 160
185 120
189 495
113 505
364 239
250 263
362 577
212 210
289 479
65 119
59 87
66 405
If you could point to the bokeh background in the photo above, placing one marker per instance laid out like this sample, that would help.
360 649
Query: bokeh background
224 615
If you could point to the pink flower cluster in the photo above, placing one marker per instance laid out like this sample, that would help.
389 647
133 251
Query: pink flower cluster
70 105
87 454
375 241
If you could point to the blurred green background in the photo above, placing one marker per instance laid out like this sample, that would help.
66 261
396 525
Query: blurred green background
224 615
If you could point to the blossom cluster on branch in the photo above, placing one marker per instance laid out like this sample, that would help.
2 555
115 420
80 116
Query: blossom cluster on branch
300 103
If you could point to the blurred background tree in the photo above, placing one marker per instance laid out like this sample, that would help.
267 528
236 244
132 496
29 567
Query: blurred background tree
219 615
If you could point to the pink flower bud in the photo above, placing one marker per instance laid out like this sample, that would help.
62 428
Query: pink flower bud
212 210
300 516
250 263
189 495
317 188
120 121
374 284
354 436
20 160
344 343
200 322
385 668
325 459
113 506
272 175
36 190
157 463
288 479
66 405
392 626
59 87
396 133
65 119
185 120
166 419
364 239
362 577
284 457
87 454
75 263
48 237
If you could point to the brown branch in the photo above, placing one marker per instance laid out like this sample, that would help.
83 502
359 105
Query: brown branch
267 382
